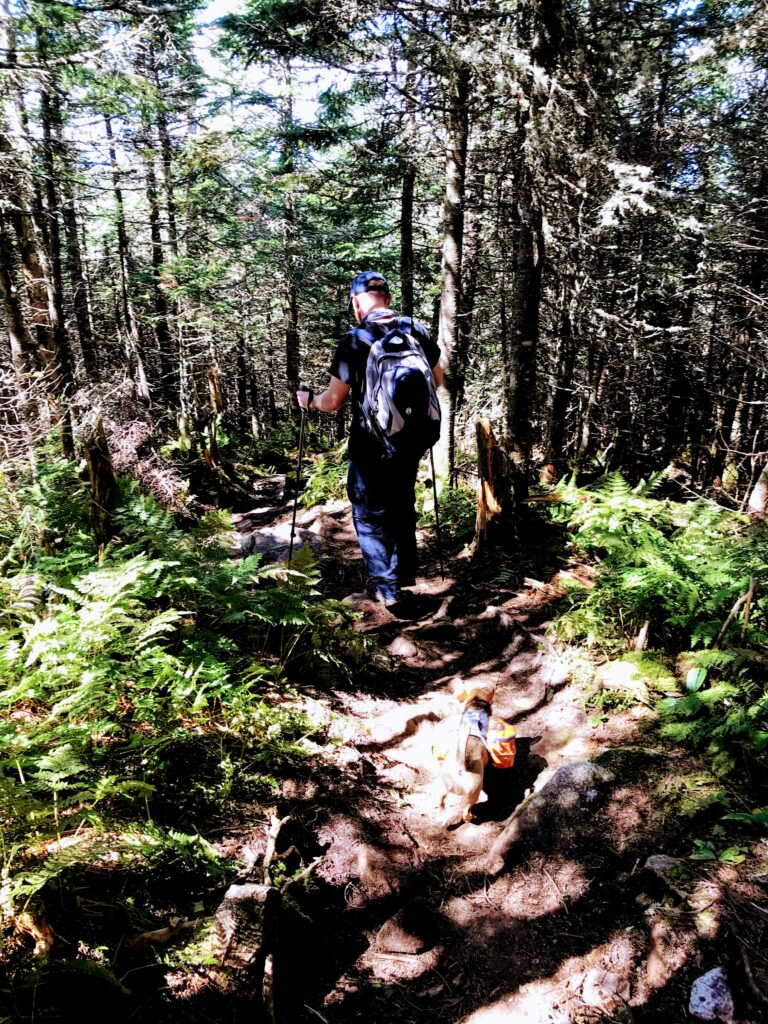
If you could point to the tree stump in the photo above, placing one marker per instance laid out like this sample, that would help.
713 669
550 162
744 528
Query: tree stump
493 491
245 926
101 478
245 939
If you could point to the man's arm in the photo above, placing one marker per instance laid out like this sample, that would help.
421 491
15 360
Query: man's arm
330 400
437 373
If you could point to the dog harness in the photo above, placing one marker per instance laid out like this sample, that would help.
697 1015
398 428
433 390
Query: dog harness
497 735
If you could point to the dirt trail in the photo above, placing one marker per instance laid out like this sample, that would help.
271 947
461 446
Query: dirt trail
401 921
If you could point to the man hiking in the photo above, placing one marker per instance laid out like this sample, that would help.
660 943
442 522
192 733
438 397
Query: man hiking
383 466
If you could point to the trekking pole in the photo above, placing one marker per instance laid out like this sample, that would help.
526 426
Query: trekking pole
437 516
298 479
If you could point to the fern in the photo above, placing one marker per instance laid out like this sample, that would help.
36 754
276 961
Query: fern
681 569
457 511
121 677
327 478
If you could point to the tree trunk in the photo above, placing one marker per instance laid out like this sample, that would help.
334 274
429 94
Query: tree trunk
564 364
758 499
170 198
290 302
406 237
724 439
701 422
165 346
538 33
101 478
453 242
21 343
597 359
60 364
407 192
133 342
245 405
522 311
78 283
271 404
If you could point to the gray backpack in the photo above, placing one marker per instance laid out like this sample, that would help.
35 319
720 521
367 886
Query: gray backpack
400 406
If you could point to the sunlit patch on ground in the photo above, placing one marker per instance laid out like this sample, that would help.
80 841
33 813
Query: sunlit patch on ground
582 988
533 891
669 949
630 812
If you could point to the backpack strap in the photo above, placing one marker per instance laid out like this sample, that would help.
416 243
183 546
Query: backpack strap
363 335
394 324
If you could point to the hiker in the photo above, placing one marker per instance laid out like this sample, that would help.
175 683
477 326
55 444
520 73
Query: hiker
381 482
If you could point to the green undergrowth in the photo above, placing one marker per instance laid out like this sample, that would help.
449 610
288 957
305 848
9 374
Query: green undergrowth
326 478
145 685
326 481
692 579
457 508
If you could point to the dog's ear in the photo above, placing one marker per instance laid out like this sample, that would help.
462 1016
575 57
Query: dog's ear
461 690
465 691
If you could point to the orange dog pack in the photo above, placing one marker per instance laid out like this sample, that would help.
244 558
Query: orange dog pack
497 735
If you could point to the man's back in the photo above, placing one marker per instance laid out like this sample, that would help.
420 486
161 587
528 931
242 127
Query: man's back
350 361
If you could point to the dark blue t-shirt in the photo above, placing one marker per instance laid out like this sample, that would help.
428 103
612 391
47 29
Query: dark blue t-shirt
349 362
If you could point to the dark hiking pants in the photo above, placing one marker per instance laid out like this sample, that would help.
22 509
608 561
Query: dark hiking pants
382 493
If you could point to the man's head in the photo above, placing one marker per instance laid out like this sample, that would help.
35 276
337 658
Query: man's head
369 291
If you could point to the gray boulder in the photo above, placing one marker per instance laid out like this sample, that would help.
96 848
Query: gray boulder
573 791
711 997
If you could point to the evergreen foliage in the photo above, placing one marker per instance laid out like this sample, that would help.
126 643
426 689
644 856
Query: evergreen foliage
684 570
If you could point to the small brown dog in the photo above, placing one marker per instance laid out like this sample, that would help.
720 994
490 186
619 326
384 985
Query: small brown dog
460 749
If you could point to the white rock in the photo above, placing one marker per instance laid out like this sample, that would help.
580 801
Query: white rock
711 997
604 989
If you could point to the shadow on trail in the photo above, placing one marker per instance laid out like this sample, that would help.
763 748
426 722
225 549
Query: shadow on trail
475 946
565 902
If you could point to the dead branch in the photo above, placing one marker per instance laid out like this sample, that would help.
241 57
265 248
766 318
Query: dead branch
752 985
734 612
160 936
302 874
273 833
556 887
755 910
641 640
316 1013
748 606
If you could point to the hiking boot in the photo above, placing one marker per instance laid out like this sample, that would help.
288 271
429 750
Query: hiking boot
407 606
414 606
388 597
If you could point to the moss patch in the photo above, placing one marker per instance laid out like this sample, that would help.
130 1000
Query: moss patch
654 669
689 796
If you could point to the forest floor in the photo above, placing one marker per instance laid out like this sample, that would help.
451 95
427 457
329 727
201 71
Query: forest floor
393 911
400 919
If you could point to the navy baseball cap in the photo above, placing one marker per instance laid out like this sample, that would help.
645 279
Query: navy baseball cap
368 281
